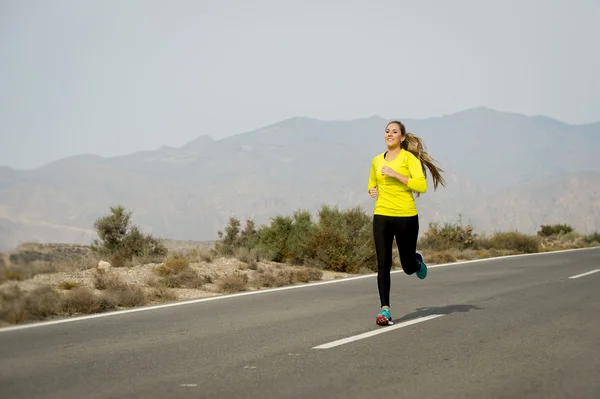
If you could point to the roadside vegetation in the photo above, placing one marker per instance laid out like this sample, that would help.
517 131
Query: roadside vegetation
126 268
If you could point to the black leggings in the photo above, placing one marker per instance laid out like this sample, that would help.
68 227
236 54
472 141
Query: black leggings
406 231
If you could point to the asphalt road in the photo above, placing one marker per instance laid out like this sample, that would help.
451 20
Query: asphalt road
509 328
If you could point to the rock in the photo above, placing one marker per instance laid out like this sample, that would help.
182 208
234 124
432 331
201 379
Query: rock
103 265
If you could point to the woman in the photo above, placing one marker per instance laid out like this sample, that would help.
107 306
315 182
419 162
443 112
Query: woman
395 175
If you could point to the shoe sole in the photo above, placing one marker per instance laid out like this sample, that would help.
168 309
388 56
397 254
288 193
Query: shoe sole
383 321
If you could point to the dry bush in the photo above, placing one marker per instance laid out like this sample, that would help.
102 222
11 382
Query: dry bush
188 278
264 279
247 255
512 241
207 255
127 295
448 236
438 257
172 266
12 305
365 270
17 306
468 254
119 260
306 274
161 294
43 302
194 255
232 283
82 300
104 280
177 273
283 277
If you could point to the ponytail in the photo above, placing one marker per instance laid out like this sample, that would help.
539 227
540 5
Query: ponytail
415 145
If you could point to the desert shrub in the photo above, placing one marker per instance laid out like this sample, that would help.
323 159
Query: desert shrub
177 273
288 238
12 305
593 238
173 266
125 295
437 257
82 300
306 274
278 278
232 283
511 241
194 255
229 241
450 235
274 238
104 280
207 255
160 293
249 237
548 230
342 240
120 239
249 256
42 302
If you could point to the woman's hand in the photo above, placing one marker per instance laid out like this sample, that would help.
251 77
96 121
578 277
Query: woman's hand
373 191
387 171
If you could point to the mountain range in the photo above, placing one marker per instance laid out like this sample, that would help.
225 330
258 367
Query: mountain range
504 171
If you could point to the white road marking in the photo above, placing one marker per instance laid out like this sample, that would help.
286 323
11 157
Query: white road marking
376 332
586 274
188 385
291 287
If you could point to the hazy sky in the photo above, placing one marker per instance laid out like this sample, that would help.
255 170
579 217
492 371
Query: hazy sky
114 77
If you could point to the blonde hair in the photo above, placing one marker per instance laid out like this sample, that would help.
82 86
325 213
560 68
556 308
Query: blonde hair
415 145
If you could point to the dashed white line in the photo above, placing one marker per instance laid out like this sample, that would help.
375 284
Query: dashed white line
376 332
585 274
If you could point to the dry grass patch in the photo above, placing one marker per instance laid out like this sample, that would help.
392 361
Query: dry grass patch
82 300
129 295
510 241
280 276
18 306
177 273
235 282
193 255
160 293
104 280
25 271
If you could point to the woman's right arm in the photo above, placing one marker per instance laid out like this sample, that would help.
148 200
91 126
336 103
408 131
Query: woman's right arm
372 188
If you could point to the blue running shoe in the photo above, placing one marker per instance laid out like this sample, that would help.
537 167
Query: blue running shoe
384 318
422 272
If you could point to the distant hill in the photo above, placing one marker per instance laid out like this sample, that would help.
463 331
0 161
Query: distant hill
504 171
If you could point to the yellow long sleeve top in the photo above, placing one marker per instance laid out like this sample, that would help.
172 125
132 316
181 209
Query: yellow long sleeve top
394 197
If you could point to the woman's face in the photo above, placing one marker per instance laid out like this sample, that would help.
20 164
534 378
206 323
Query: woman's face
393 135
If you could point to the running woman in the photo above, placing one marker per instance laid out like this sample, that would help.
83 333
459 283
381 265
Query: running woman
395 175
